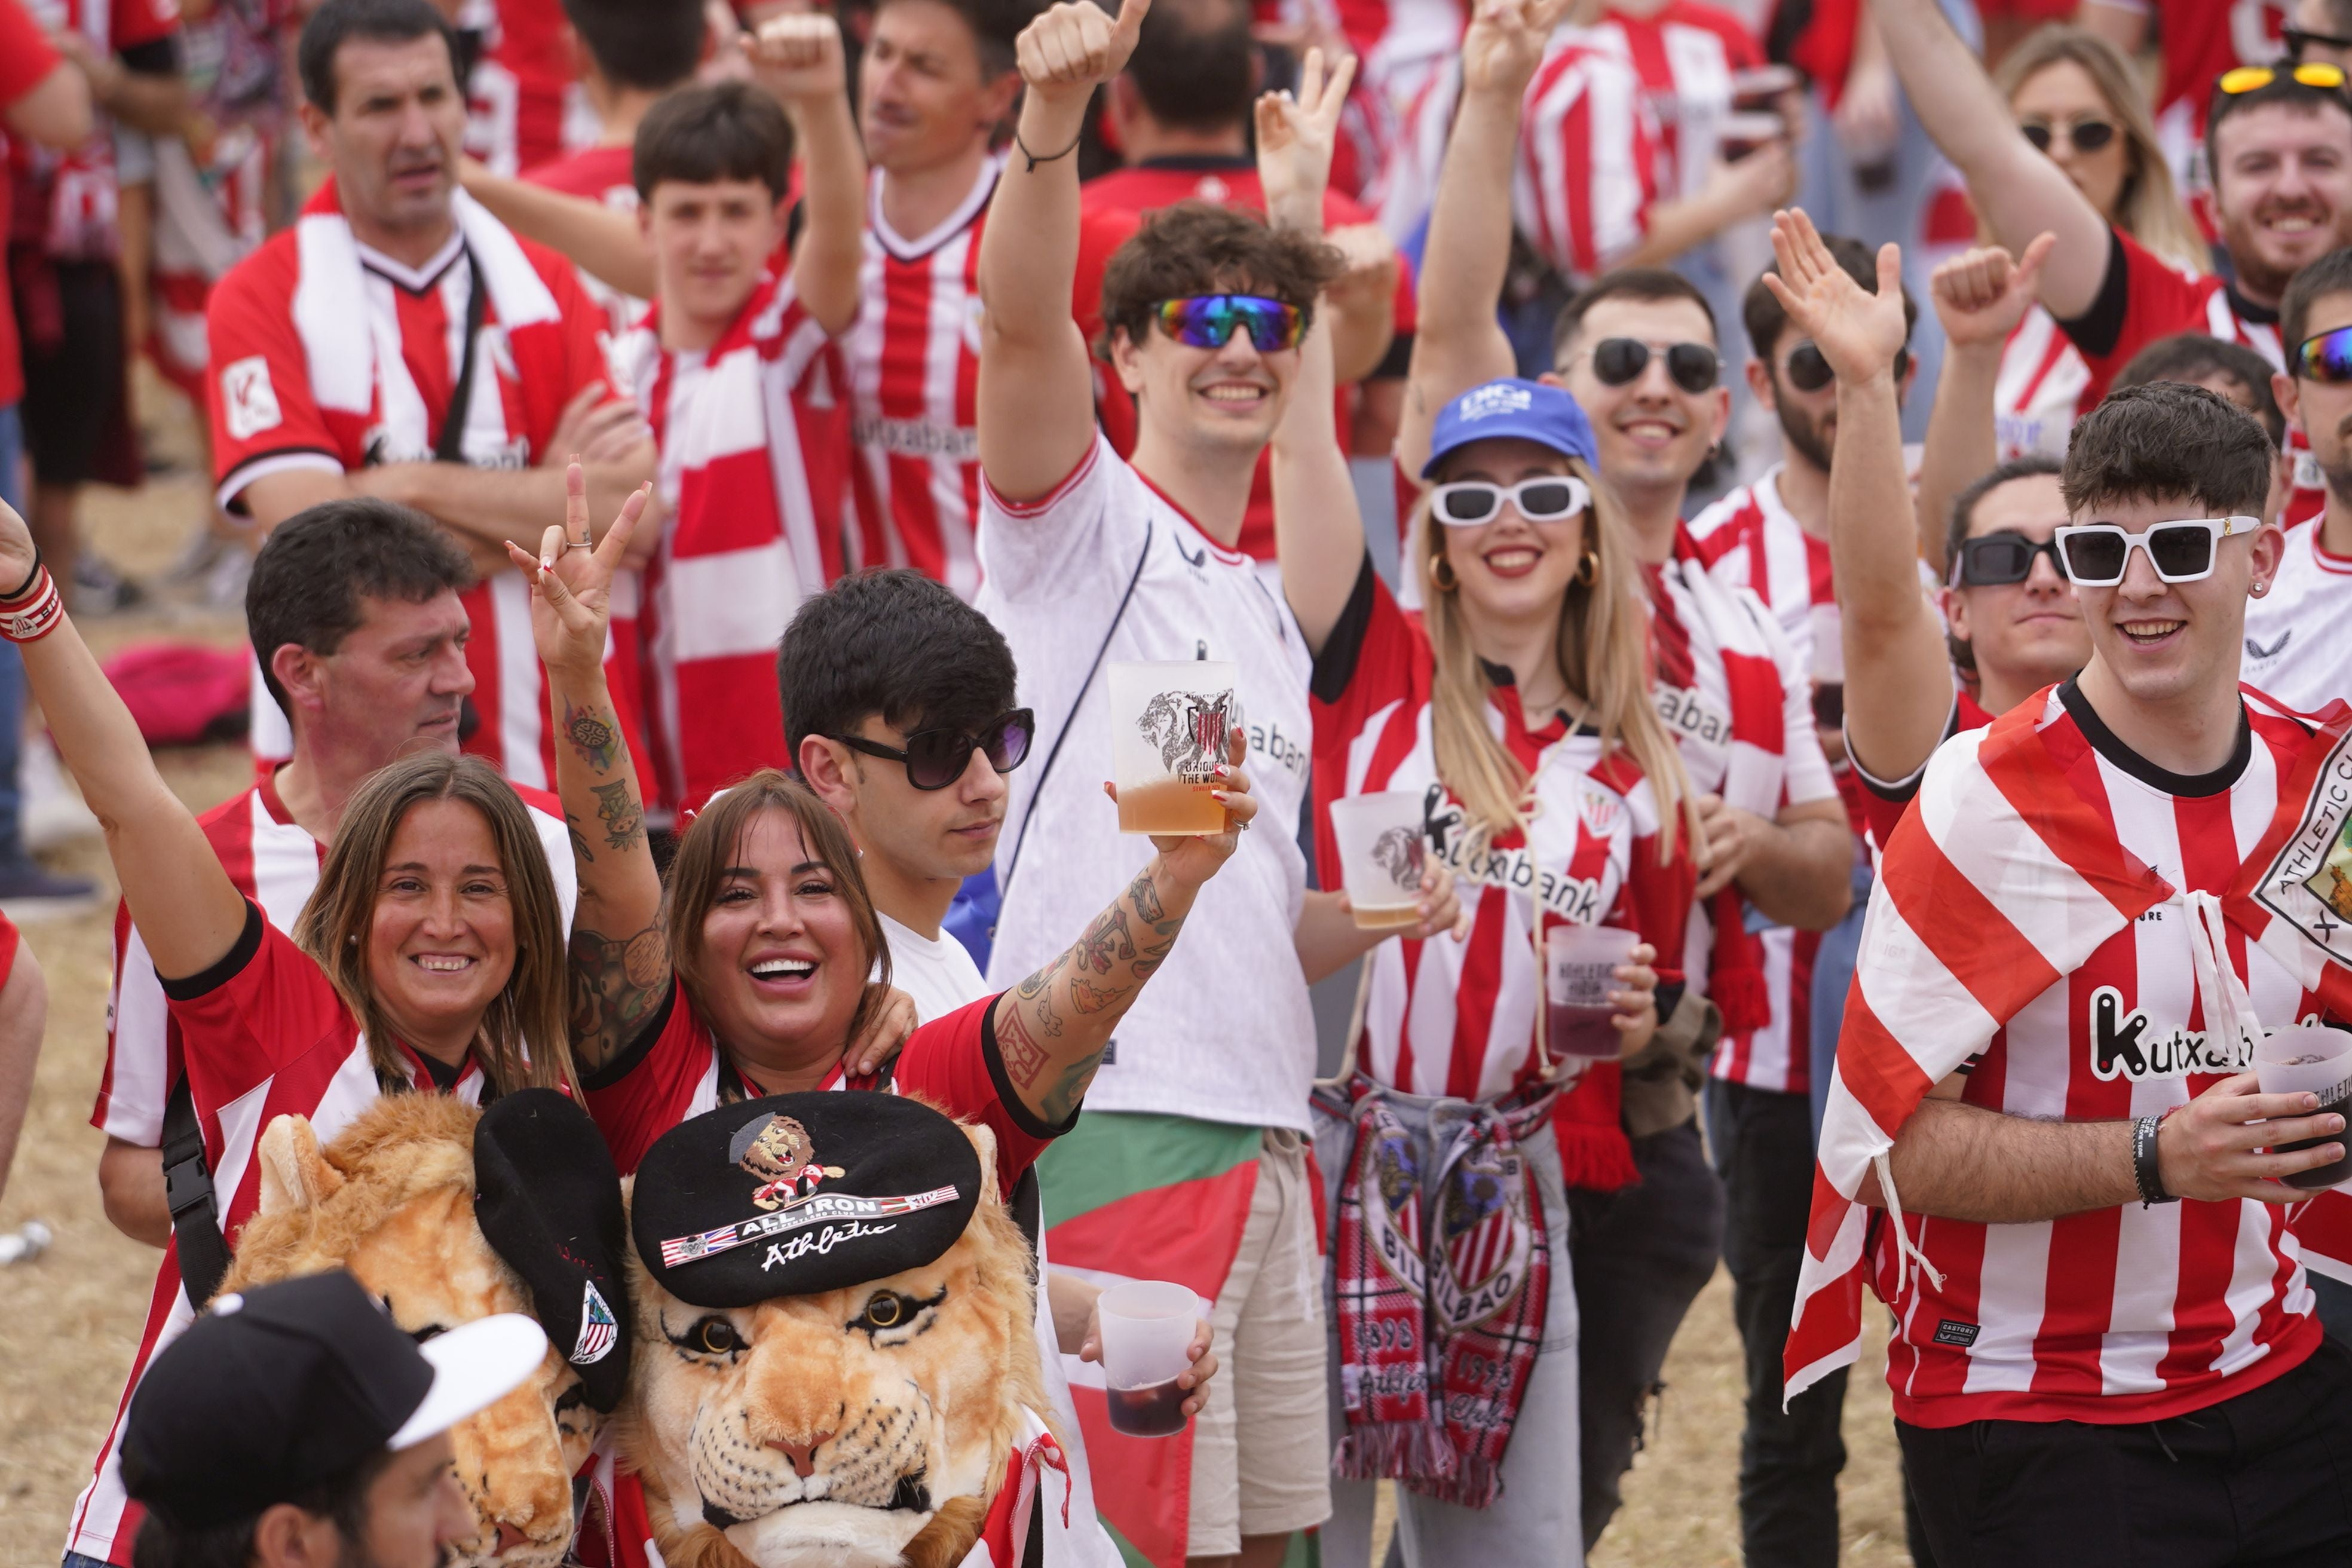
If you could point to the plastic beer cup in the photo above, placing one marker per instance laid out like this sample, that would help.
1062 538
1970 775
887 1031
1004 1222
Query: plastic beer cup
1147 1344
1168 723
1381 851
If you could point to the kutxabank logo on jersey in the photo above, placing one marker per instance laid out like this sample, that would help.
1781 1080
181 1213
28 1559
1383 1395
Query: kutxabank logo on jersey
2309 885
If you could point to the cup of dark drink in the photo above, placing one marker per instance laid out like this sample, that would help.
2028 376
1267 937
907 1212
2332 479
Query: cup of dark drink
1579 971
1147 1344
1737 135
2311 1058
1763 87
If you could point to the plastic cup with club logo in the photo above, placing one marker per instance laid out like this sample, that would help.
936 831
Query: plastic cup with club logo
1381 851
2310 1059
1147 1344
1579 971
1168 723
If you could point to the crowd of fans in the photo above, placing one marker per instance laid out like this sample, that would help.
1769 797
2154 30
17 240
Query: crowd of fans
690 471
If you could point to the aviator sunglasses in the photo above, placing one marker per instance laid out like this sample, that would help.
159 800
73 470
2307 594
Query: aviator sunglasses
2183 549
1619 361
1809 369
935 758
1208 320
1997 560
1546 497
2088 135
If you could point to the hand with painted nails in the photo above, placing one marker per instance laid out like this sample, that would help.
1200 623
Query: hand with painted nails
572 578
1195 857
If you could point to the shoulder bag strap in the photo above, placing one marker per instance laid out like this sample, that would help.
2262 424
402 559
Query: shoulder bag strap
188 1190
449 446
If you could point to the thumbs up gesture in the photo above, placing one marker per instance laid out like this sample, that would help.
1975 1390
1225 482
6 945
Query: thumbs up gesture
1077 44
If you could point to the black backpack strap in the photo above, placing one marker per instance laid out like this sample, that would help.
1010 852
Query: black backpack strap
450 445
1004 883
188 1190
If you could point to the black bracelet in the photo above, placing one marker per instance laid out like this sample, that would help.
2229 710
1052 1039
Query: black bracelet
1035 159
2146 1173
32 579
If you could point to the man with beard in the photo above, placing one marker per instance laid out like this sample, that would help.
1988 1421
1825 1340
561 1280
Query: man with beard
2280 148
1638 352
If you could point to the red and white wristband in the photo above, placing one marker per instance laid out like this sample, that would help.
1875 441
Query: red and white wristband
34 611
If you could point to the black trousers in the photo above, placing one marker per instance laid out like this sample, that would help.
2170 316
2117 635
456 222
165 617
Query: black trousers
1641 1255
2262 1481
1789 1460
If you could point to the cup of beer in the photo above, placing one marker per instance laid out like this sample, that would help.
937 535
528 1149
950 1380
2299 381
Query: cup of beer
2310 1059
1147 1344
1168 723
1381 852
1579 971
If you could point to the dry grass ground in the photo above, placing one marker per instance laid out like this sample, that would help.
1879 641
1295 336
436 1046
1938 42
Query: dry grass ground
69 1321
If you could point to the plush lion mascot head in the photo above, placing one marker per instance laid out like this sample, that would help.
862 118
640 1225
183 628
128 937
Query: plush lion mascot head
449 1214
836 1351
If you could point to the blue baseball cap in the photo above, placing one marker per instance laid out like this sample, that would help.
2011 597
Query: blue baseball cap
1507 409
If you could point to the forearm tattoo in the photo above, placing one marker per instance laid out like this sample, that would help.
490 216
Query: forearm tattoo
623 816
594 736
580 850
617 982
1053 1030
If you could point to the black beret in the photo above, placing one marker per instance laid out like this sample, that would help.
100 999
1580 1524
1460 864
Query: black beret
549 1203
800 1193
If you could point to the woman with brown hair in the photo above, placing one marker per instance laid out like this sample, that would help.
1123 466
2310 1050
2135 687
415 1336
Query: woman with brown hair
2078 100
766 958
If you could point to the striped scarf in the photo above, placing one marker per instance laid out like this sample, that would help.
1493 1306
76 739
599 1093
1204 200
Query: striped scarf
2002 881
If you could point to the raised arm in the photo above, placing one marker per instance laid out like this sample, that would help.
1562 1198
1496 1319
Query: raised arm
184 904
1458 343
620 958
798 58
1054 1027
602 241
1981 295
2019 192
1898 679
1036 402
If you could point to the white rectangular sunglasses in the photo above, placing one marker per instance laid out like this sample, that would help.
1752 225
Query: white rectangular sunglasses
2181 550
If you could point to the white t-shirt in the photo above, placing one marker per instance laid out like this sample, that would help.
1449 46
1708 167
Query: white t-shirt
1224 1032
941 977
2294 652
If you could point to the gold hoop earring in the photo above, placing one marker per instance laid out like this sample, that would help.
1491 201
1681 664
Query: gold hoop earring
1441 573
1589 568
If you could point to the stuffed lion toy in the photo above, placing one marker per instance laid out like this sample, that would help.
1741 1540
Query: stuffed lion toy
423 1199
846 1379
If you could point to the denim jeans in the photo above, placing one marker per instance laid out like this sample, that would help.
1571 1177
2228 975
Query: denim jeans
1833 978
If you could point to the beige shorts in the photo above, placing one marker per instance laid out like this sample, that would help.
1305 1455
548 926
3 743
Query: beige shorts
1261 1452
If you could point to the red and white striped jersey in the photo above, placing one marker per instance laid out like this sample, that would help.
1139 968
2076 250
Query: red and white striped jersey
1685 54
2096 935
264 1035
1453 1018
329 355
2039 393
275 863
752 441
2293 632
914 376
2158 300
1740 703
522 106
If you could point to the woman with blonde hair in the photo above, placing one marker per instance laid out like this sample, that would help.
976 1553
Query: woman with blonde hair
2078 99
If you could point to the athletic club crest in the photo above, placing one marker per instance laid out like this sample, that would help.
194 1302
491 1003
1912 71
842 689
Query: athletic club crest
1189 729
777 1150
2309 886
1398 852
1598 812
599 1331
1486 1237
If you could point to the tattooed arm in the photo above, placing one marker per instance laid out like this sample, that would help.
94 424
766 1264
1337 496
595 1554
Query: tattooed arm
620 957
1052 1028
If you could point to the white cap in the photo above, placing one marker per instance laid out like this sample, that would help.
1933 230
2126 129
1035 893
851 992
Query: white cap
475 1365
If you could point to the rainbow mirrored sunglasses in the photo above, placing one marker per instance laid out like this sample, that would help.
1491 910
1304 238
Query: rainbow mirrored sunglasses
1207 321
2324 356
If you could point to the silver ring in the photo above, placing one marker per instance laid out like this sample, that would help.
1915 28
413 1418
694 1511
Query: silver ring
578 544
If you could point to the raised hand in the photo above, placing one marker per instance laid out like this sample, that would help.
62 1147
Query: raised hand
1857 331
1195 857
1072 46
1981 295
1296 135
1505 44
798 58
572 582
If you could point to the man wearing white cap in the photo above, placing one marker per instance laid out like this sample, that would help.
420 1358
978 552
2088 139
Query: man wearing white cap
296 1424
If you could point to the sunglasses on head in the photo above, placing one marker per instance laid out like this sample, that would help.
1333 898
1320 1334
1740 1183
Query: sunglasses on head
1208 320
935 758
1995 560
2085 135
2324 356
2253 79
1619 361
2183 549
1809 369
1547 498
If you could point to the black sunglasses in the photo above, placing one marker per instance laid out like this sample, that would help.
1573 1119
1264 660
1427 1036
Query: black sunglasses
1808 370
1997 560
2298 40
1694 367
935 758
2084 135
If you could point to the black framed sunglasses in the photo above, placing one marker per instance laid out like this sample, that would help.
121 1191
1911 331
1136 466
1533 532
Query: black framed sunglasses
1997 560
2088 135
2298 40
1809 368
1694 367
935 758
